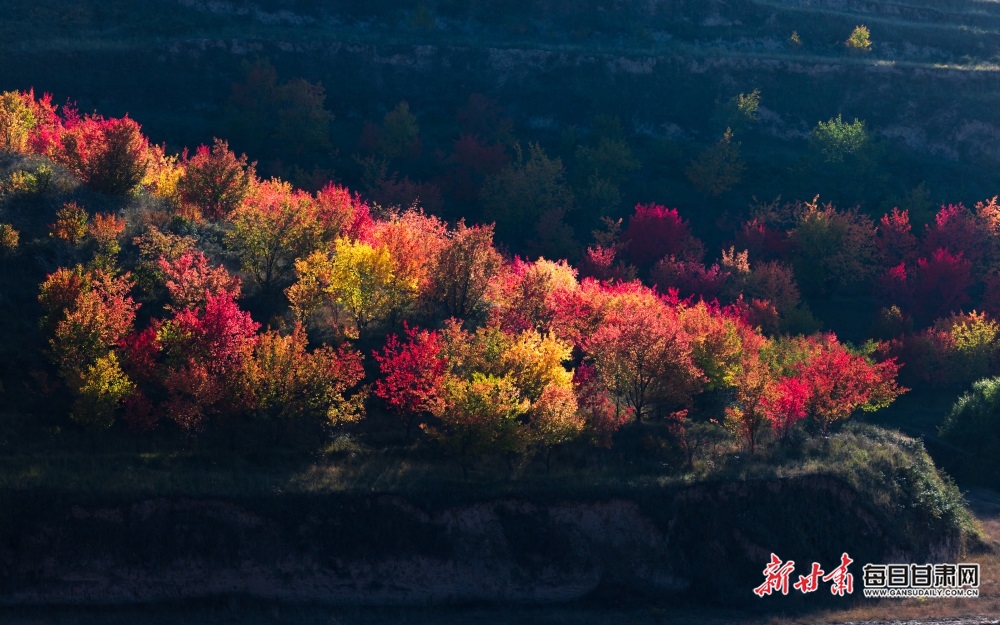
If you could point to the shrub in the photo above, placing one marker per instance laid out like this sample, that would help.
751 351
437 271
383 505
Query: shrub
974 420
860 39
9 238
16 122
837 139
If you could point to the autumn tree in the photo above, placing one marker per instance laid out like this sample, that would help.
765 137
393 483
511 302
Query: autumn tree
524 295
525 372
835 249
287 382
341 213
961 232
484 414
357 283
839 382
602 416
199 355
89 312
271 229
17 120
748 416
191 280
104 388
215 180
644 357
153 246
466 263
896 241
655 231
787 404
105 231
9 238
935 287
71 223
414 242
110 155
414 374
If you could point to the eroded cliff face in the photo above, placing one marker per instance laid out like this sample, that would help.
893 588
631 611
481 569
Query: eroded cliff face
710 540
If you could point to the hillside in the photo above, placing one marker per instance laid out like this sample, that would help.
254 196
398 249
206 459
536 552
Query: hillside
557 303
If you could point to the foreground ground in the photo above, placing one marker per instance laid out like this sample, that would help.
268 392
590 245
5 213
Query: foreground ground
985 504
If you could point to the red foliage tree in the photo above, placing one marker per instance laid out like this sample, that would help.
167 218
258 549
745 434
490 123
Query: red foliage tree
840 382
524 295
956 230
894 287
403 193
215 180
342 214
644 357
941 284
471 162
413 374
203 351
109 155
656 231
690 278
191 281
602 416
896 241
787 404
763 242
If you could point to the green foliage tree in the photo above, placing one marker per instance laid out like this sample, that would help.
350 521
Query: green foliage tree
835 249
837 140
16 121
105 386
286 119
519 195
400 132
483 417
974 421
748 104
860 39
719 168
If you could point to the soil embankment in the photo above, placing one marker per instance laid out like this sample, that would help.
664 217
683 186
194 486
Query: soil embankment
710 541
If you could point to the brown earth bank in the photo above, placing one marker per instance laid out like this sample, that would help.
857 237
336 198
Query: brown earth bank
707 542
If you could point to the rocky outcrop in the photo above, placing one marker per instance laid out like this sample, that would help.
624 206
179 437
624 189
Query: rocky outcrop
710 540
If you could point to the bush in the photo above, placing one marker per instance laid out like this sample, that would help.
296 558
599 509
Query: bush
860 39
974 421
836 139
